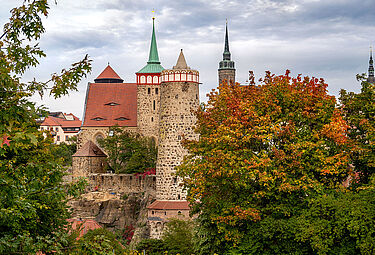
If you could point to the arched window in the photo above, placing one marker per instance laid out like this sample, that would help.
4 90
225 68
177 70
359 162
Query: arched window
156 80
149 79
143 79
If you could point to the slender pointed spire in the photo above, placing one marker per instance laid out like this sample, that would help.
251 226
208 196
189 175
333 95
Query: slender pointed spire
153 63
181 62
154 56
371 77
226 54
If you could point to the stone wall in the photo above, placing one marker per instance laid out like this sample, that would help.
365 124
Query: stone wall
227 74
148 102
92 133
177 120
83 166
122 183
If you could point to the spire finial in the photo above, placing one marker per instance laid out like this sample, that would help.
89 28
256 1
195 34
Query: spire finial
226 54
153 14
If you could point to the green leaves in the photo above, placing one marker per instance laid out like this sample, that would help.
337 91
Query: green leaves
129 152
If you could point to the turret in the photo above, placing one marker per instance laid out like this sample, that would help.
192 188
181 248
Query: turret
148 91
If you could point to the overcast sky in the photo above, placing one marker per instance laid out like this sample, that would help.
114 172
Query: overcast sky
327 39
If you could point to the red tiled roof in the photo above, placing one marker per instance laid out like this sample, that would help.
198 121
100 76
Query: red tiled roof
110 104
169 205
83 225
89 149
108 73
54 121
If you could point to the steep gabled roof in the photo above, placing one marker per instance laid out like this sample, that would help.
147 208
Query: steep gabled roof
110 104
89 149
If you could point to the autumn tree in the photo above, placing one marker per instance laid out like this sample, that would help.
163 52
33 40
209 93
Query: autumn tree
33 208
265 152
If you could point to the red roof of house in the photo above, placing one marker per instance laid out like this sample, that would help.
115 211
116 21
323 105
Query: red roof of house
89 149
83 225
110 104
108 73
54 121
169 205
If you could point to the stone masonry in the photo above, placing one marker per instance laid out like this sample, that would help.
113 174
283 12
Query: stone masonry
148 110
179 97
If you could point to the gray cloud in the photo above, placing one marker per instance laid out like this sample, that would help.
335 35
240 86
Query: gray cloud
328 39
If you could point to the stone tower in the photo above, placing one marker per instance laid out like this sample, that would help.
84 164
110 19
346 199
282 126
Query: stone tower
148 92
179 96
226 66
371 77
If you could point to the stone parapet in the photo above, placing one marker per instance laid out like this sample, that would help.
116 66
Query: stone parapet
122 183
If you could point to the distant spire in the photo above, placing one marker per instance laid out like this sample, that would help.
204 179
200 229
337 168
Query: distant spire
371 77
154 56
181 62
226 54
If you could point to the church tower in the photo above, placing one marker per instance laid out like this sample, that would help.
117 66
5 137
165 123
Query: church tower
179 91
226 66
148 92
371 77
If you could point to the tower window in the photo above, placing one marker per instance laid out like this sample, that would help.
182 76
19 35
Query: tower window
152 119
149 91
156 91
154 105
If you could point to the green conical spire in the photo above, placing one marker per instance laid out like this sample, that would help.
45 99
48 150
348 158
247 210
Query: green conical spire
153 63
153 58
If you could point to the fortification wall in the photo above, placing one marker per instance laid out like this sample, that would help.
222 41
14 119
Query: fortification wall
122 183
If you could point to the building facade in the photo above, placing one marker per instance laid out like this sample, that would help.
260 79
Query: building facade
61 126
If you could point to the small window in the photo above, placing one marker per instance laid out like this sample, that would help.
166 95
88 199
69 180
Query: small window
154 105
57 129
152 119
112 104
122 118
58 138
41 128
156 91
179 212
66 138
98 118
153 212
178 197
165 213
149 91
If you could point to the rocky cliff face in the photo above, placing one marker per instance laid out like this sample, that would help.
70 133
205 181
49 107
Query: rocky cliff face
115 211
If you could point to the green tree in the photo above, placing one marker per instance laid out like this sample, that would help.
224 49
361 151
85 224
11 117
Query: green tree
65 152
359 111
33 208
265 151
129 152
178 237
98 242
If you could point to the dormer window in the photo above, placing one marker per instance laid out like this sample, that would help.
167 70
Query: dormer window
98 118
122 118
112 104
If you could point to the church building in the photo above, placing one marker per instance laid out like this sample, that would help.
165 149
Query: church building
158 105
